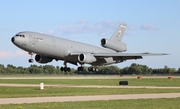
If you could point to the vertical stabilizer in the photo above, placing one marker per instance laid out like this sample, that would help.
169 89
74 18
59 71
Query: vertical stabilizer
118 35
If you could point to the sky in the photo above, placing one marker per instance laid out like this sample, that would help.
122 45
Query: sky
152 26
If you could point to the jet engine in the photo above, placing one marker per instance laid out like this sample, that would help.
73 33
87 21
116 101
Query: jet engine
86 58
114 45
42 59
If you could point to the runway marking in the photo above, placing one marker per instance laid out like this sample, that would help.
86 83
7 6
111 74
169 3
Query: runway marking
86 98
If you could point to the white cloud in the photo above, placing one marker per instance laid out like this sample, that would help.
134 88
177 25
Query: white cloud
131 28
148 27
51 31
81 26
78 28
10 54
81 21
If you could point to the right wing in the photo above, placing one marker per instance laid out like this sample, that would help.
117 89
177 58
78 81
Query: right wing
127 56
116 57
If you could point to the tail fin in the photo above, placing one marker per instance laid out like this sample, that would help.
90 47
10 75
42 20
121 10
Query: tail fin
118 35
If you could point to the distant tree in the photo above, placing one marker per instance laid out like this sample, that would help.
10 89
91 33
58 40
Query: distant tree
34 69
168 70
2 69
103 70
125 71
21 70
11 69
178 71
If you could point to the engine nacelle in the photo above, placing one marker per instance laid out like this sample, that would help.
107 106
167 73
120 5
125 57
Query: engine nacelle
86 58
42 59
114 45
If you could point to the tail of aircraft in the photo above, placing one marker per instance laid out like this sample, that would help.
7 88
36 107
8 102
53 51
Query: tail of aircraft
118 34
115 42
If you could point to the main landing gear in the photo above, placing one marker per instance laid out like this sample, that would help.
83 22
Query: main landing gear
30 60
80 69
65 69
92 69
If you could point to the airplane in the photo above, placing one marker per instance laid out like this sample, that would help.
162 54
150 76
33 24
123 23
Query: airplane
47 48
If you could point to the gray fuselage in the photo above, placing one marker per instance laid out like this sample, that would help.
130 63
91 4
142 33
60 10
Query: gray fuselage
55 47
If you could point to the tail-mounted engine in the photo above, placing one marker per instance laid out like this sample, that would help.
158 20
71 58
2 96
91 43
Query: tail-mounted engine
114 45
86 58
43 59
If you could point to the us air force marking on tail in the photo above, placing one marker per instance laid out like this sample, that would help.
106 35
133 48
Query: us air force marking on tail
48 47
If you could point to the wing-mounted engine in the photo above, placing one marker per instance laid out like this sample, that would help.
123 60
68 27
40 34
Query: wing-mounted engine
86 58
114 45
42 59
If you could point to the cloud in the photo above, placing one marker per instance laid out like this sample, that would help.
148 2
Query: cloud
81 21
77 28
148 27
50 31
10 54
82 26
131 28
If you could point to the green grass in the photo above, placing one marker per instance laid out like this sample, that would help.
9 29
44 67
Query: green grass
7 92
112 82
13 92
164 103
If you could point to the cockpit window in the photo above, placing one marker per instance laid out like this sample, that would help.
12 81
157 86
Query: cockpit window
20 35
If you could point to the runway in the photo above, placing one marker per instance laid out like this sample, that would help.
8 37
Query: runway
86 98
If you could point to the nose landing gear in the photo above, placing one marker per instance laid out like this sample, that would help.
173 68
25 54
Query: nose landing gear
30 60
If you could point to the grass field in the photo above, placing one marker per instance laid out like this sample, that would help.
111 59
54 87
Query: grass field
11 92
171 103
7 92
111 82
14 92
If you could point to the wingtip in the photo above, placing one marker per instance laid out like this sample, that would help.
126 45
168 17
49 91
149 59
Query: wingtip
166 54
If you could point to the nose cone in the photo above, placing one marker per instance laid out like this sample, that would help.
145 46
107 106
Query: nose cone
12 39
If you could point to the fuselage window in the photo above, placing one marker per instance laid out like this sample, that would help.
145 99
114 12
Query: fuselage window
20 35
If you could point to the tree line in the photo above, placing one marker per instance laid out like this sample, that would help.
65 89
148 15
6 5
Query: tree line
134 68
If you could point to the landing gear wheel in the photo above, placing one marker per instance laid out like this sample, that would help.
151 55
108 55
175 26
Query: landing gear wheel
80 68
96 70
92 69
68 69
31 60
62 68
65 69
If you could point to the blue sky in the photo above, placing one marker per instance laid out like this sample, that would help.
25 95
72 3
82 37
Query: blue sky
152 26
